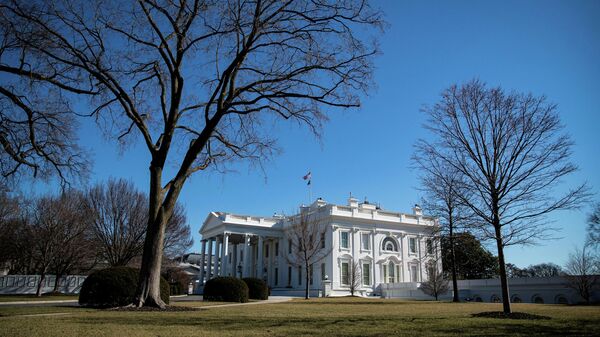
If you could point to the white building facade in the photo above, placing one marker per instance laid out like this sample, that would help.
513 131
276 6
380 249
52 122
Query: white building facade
387 247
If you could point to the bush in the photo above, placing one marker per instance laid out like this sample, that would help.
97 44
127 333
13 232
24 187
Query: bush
226 289
114 287
257 288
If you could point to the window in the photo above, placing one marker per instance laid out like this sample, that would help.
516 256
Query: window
364 238
414 276
429 245
412 245
391 273
299 276
290 276
289 246
323 271
366 274
344 240
389 245
345 273
323 241
276 276
242 255
276 248
267 250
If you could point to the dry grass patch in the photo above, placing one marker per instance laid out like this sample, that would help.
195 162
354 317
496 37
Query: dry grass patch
316 317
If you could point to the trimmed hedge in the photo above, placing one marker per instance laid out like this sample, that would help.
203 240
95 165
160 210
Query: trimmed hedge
114 287
226 289
257 288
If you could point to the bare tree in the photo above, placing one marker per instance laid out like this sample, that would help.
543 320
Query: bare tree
582 272
435 285
593 230
306 234
37 125
119 217
354 276
55 227
195 80
178 234
444 191
512 153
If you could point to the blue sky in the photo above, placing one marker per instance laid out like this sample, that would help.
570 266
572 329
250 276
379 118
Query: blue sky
543 47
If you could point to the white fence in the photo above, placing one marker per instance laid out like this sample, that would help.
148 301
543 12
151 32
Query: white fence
27 284
549 290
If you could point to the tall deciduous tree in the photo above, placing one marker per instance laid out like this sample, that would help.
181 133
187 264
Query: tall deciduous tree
56 226
512 154
306 235
582 269
444 192
593 230
196 80
118 214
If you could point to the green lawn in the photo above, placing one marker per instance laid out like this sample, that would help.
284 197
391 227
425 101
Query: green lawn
29 298
328 317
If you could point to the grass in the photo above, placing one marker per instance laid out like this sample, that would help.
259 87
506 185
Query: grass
328 317
30 298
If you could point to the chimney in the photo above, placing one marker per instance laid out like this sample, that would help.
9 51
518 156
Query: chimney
352 202
417 210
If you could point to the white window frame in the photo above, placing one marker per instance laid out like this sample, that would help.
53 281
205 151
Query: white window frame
368 273
347 241
410 252
429 246
347 263
368 241
416 275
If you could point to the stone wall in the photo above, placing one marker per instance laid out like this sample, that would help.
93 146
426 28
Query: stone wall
27 284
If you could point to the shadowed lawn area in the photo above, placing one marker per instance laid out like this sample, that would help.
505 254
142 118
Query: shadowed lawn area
28 298
330 317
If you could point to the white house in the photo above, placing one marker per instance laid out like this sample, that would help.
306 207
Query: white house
391 247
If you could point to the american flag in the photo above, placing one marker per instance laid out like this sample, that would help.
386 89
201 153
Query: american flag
308 177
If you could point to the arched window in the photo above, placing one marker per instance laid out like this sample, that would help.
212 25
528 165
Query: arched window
516 299
389 245
538 299
495 299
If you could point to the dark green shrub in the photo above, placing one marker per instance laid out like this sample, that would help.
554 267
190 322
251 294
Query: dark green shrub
226 289
257 288
114 287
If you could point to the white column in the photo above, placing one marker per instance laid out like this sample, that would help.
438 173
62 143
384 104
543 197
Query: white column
419 239
259 258
234 260
247 262
217 251
403 257
375 249
209 269
202 263
225 255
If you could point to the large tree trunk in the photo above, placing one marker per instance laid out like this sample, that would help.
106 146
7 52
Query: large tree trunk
148 291
455 297
56 282
38 291
502 267
307 277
